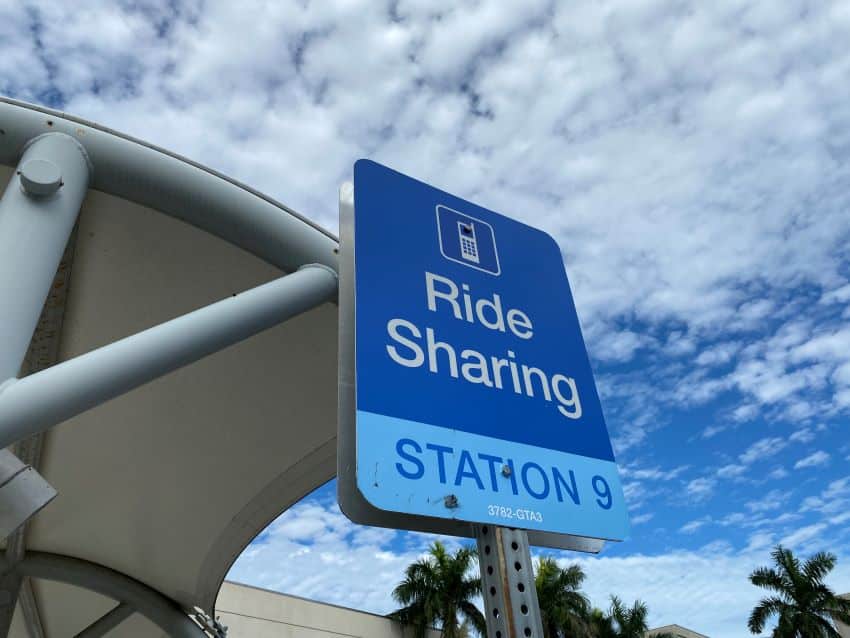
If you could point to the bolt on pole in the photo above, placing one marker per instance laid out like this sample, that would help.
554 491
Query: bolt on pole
511 608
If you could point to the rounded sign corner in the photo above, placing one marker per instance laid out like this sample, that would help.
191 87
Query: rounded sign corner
362 163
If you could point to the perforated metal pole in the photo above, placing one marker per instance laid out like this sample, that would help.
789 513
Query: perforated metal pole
507 583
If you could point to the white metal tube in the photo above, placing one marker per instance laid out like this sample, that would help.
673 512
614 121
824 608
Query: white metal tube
106 623
138 172
41 400
162 611
37 213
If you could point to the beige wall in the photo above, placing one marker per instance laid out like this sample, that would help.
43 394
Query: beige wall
249 612
676 630
844 630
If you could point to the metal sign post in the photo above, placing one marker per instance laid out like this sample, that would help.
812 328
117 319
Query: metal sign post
510 600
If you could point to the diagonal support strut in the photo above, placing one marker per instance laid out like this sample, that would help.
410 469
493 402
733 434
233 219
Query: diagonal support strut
41 400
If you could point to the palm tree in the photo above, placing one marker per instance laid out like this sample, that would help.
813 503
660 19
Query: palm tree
621 621
628 622
438 588
805 607
563 608
601 625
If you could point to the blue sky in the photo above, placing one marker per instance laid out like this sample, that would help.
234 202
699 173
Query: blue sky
690 158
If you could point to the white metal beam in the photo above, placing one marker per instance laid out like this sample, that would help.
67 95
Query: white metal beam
43 353
106 623
42 400
140 172
37 213
160 610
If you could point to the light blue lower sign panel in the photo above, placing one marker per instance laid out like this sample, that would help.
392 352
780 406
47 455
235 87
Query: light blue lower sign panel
411 467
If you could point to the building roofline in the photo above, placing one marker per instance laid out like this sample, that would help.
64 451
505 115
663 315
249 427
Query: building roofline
674 625
308 600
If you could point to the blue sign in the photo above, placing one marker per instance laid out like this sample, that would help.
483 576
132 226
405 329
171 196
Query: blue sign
475 398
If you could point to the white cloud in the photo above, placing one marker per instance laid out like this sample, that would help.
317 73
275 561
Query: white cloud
759 541
803 435
752 314
357 566
839 519
679 344
835 498
777 473
837 295
692 526
838 488
815 459
745 412
718 354
619 346
302 528
762 449
700 489
640 519
785 371
832 345
731 470
651 473
637 494
841 376
773 500
768 382
713 430
802 535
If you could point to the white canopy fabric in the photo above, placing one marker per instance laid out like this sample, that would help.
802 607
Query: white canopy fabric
168 483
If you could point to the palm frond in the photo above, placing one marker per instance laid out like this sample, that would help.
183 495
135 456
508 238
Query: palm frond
769 578
818 566
766 608
474 616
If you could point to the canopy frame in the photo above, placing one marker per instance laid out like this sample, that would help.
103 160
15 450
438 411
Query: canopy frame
59 158
159 609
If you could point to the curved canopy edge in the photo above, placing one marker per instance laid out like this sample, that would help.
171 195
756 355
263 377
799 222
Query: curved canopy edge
164 181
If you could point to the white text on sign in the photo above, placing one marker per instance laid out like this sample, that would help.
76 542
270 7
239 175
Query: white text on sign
497 372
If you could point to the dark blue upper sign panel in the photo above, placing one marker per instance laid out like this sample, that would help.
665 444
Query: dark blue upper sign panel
500 291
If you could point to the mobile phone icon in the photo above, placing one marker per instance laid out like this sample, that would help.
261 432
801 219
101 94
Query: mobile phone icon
468 242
